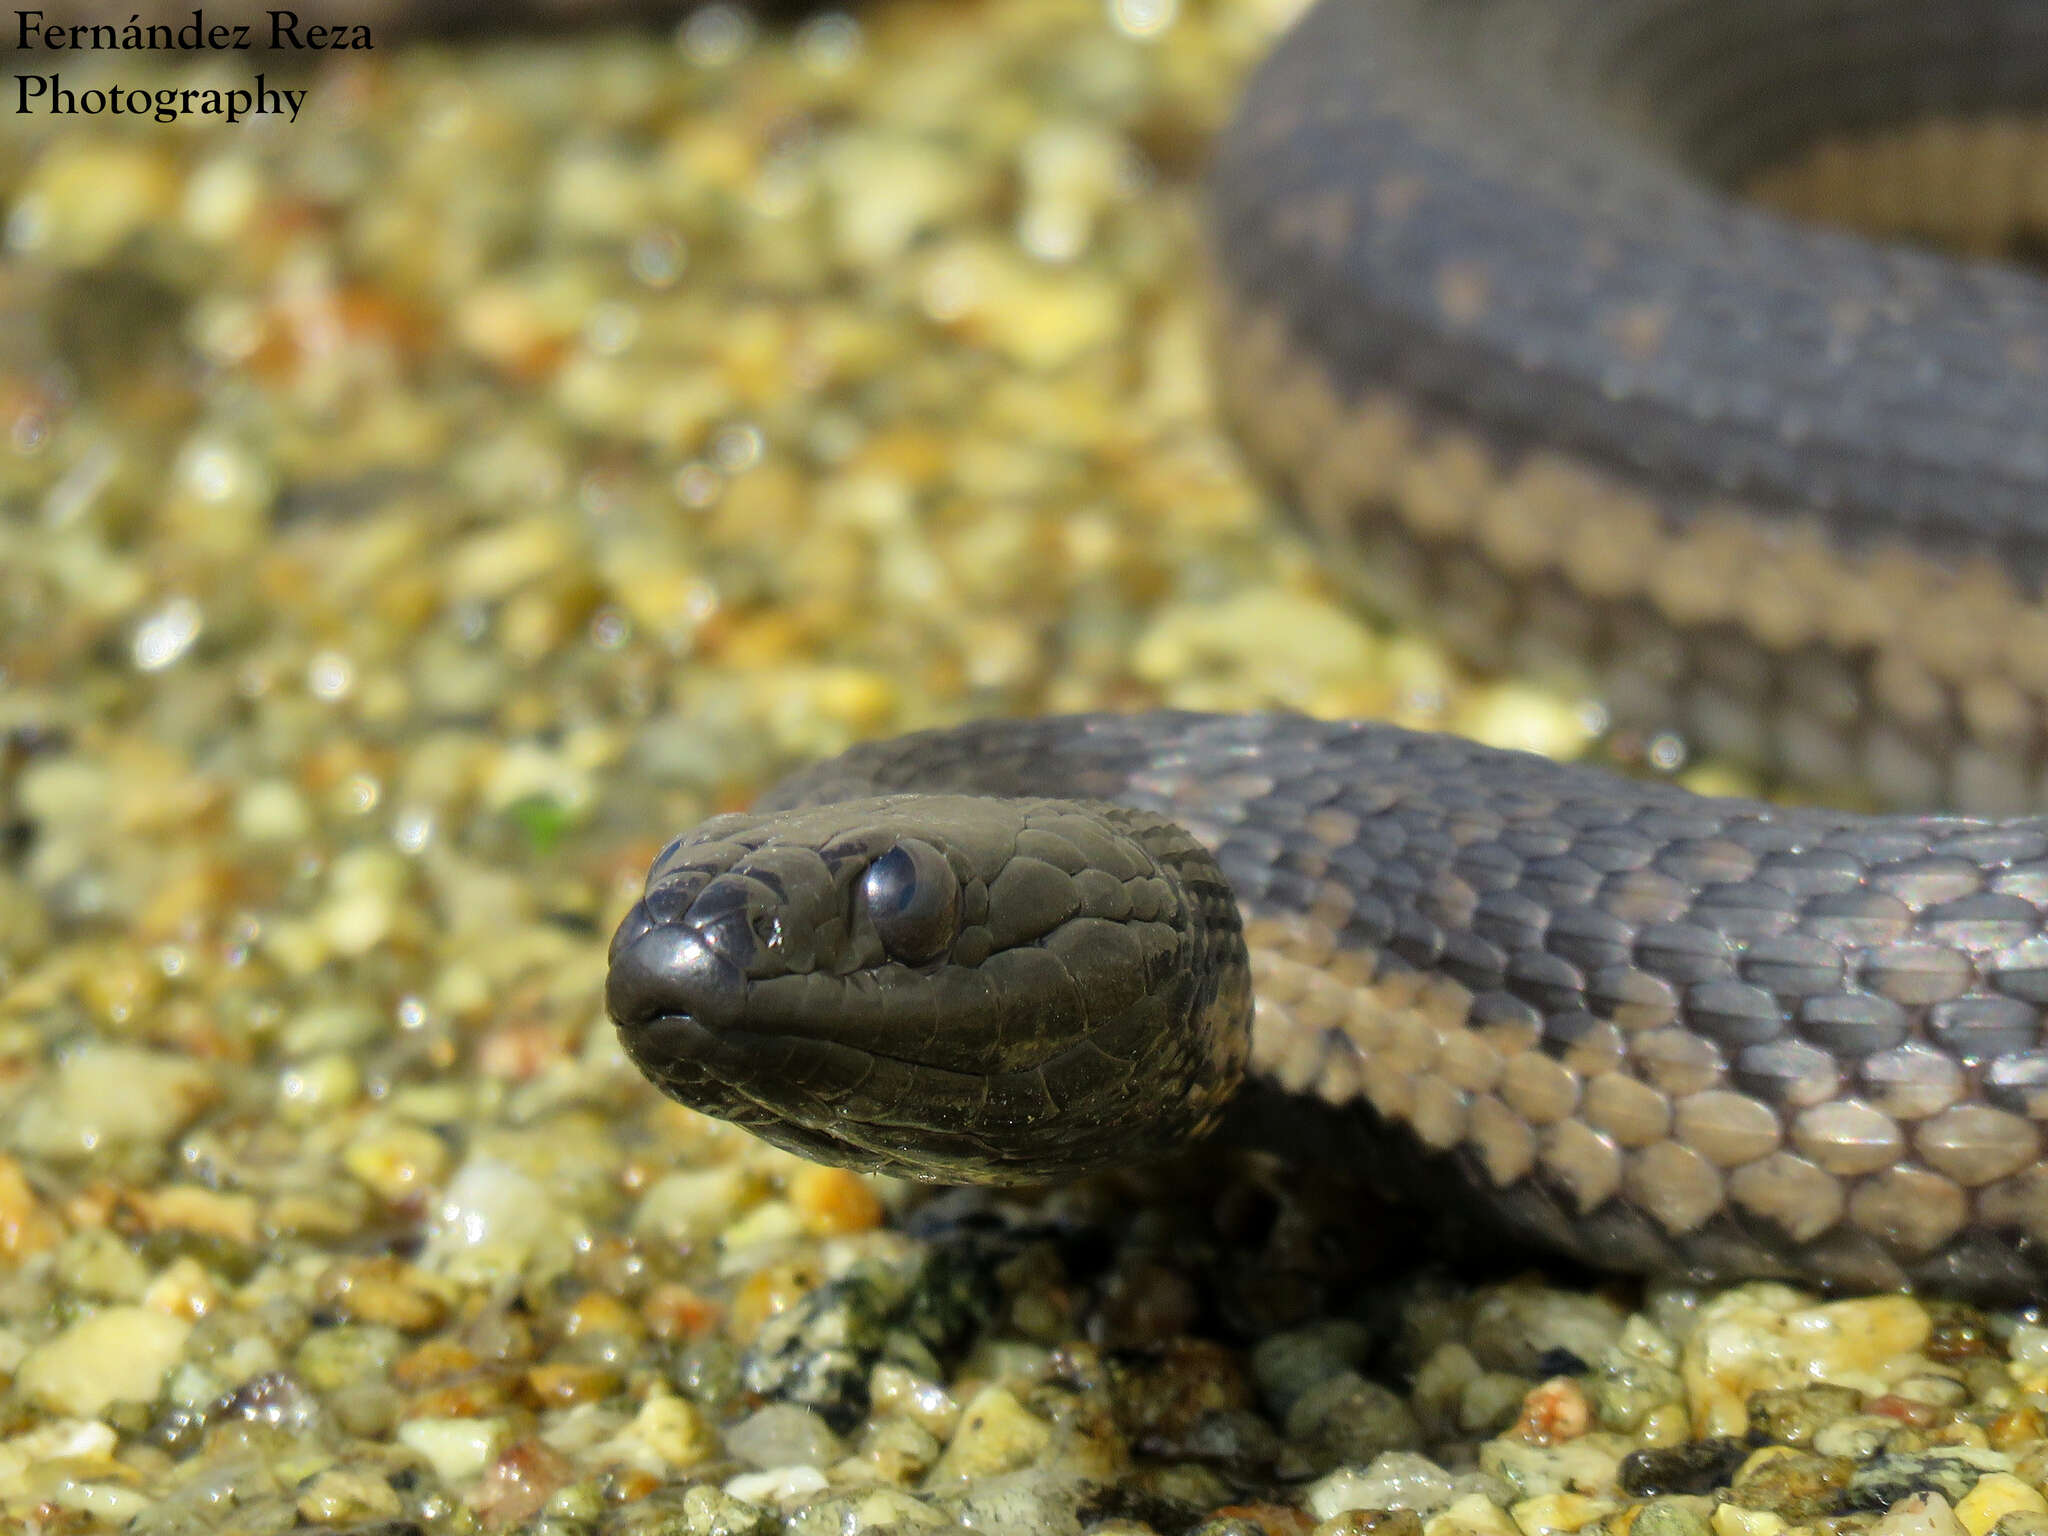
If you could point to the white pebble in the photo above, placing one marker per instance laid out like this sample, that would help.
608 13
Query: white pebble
1919 1514
1395 1480
459 1449
496 1217
778 1485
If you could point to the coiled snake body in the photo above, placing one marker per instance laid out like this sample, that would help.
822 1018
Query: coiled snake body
1491 315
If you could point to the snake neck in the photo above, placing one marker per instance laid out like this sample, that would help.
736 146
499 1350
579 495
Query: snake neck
1199 1065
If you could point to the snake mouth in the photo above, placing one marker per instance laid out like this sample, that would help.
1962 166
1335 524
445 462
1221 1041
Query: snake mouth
828 1101
683 1017
834 1101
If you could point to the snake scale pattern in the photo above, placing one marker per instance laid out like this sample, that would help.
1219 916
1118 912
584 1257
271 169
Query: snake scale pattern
1493 312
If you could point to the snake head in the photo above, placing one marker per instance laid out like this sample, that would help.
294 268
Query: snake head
941 987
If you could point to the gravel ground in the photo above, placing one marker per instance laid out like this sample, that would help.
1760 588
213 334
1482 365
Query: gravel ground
409 518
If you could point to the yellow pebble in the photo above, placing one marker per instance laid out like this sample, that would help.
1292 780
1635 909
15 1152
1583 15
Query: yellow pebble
1666 1424
194 1208
1526 719
856 697
1734 1520
1997 1494
27 1226
833 1201
1473 1515
1760 1458
599 1312
996 1433
1554 1512
397 1162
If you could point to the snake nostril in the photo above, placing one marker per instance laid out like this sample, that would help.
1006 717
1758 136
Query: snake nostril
665 970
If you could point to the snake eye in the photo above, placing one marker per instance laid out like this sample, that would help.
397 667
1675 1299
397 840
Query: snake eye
913 898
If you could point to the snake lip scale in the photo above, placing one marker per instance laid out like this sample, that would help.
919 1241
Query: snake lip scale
1536 377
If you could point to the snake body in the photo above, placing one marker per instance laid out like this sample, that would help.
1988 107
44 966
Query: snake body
1492 315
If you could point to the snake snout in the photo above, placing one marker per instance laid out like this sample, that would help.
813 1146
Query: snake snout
667 969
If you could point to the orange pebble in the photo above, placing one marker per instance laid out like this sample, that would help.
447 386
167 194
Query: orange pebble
1553 1412
833 1201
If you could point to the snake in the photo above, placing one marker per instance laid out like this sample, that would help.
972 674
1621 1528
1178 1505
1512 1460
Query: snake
1678 347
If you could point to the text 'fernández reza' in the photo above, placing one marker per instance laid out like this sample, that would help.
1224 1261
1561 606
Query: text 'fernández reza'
284 31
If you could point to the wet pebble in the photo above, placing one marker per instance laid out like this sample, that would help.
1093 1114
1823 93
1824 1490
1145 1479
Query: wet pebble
116 1355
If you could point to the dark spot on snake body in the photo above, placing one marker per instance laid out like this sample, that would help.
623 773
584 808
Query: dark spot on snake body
1853 1024
2019 1083
1788 1073
1980 1029
1792 966
2021 972
1982 920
